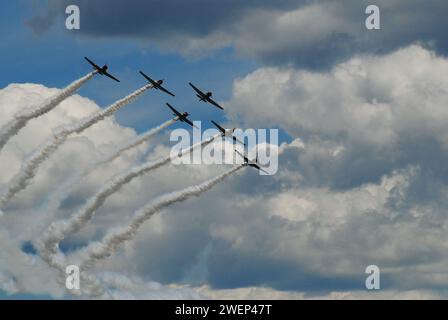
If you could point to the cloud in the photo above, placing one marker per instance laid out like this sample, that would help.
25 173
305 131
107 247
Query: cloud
44 19
26 217
256 293
376 113
23 273
312 34
302 239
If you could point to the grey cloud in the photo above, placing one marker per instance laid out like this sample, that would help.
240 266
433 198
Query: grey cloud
157 19
313 34
371 116
256 241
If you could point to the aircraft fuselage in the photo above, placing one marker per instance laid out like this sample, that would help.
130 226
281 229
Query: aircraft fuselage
158 83
103 69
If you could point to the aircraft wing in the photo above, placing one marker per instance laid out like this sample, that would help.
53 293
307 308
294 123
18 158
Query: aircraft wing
214 103
174 110
259 168
189 122
148 78
164 90
237 140
92 63
107 74
242 155
254 165
219 127
196 89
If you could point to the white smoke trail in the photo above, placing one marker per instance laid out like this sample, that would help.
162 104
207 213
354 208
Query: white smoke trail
57 231
134 143
29 168
22 117
64 190
60 135
111 242
90 285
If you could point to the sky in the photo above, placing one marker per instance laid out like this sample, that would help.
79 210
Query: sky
362 151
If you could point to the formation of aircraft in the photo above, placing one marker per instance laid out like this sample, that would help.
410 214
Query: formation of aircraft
183 116
157 84
205 97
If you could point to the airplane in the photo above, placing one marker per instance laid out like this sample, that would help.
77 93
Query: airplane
251 163
205 97
156 84
227 133
181 116
101 70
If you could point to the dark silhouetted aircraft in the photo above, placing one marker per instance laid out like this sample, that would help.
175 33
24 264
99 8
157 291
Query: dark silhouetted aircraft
205 97
227 132
251 163
181 116
101 70
156 84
